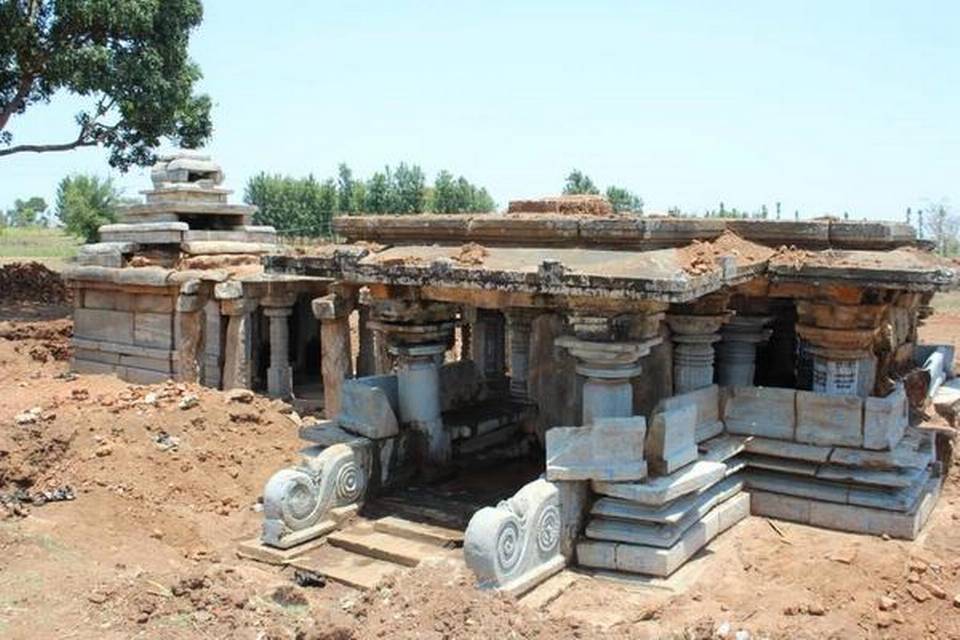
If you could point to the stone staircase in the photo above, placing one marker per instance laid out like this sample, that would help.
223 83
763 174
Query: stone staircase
367 551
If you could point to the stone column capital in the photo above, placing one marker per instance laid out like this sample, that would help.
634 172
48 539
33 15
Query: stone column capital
277 312
607 360
238 307
331 306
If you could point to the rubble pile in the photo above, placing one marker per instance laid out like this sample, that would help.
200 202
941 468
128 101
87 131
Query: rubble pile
31 282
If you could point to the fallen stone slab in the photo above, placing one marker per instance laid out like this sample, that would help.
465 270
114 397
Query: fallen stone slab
786 449
671 439
707 401
662 489
724 447
612 449
845 517
672 513
663 562
217 247
760 411
881 477
784 465
916 449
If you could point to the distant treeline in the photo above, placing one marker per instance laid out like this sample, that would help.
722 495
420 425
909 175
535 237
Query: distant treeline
306 206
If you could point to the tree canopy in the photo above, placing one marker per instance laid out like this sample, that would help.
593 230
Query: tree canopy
26 213
622 199
86 202
306 206
127 57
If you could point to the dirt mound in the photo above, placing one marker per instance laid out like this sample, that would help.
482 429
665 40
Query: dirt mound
701 257
582 205
31 282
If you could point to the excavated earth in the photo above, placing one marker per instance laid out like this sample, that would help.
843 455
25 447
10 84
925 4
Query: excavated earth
122 506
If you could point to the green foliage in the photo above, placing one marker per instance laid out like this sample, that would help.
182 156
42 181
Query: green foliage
409 189
624 200
128 57
938 223
301 206
85 202
379 193
26 213
579 183
457 195
345 185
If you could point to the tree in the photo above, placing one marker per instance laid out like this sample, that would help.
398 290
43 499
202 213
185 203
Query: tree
345 184
378 193
299 206
624 200
942 226
129 59
84 203
409 188
579 183
27 213
459 196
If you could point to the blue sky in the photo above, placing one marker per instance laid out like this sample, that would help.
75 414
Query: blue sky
824 106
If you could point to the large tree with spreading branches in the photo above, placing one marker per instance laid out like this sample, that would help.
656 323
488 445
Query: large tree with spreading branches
127 58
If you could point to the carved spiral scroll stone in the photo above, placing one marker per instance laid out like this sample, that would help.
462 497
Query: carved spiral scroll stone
350 483
516 540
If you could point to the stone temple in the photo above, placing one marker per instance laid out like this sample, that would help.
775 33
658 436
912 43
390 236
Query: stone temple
557 385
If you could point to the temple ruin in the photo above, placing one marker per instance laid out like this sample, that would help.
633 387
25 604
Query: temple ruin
556 385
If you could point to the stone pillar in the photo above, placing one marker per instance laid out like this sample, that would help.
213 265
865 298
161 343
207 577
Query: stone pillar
211 372
279 373
237 372
366 364
488 345
419 333
693 337
519 322
737 350
188 333
336 356
840 340
466 341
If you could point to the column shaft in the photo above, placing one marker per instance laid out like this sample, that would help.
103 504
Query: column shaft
279 373
335 361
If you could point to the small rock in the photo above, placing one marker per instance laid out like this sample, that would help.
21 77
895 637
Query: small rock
188 401
151 399
24 418
956 601
884 619
914 577
935 589
816 609
243 396
97 597
918 593
289 596
103 451
887 603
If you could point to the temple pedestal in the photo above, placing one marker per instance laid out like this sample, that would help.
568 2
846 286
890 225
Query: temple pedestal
693 354
737 350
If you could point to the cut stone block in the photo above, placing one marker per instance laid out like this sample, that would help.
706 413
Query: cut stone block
254 549
882 477
366 410
663 562
103 325
365 540
847 517
723 447
461 383
106 299
707 401
798 486
885 419
672 512
786 465
611 450
829 420
916 449
662 489
760 411
153 330
147 303
785 449
345 567
671 439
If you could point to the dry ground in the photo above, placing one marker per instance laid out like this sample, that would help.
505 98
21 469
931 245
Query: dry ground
164 493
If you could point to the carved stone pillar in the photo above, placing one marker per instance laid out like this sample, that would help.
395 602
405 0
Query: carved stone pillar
336 357
608 364
519 322
366 358
279 373
418 333
737 349
488 342
693 338
238 348
188 333
840 340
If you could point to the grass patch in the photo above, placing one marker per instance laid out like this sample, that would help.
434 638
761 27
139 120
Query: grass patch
52 247
949 301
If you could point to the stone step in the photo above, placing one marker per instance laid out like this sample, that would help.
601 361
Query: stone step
345 567
420 532
549 590
363 539
662 489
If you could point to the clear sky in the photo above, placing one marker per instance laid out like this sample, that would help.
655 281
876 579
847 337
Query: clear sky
825 106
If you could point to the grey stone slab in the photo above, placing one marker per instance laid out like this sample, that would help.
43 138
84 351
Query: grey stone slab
673 512
798 486
79 365
847 517
662 489
829 420
153 330
707 401
904 499
760 411
366 410
723 447
142 376
125 349
160 365
785 465
96 356
880 477
461 384
663 562
103 324
885 419
735 465
916 449
671 439
785 449
612 449
216 247
105 299
148 303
